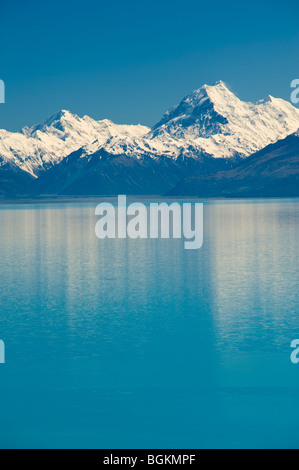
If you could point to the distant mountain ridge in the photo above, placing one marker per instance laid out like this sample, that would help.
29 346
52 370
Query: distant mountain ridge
209 131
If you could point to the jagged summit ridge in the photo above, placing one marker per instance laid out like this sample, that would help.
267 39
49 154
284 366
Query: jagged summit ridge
56 121
37 148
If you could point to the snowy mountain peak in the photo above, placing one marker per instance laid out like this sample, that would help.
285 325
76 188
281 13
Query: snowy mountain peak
59 121
198 113
197 101
220 94
214 93
216 119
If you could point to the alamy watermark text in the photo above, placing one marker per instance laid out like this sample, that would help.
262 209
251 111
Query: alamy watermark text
2 352
155 220
2 91
295 92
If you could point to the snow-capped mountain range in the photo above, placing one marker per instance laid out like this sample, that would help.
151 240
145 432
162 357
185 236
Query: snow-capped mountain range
37 148
208 127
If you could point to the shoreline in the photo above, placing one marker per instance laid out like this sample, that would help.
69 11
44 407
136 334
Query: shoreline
95 199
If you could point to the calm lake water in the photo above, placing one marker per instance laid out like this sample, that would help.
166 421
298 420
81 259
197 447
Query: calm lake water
141 343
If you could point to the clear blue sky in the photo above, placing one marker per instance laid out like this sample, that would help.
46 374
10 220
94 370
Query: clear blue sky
131 60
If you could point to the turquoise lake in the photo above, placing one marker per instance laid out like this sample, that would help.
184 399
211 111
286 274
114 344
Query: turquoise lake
143 344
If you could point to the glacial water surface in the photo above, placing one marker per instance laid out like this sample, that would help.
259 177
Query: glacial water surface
143 344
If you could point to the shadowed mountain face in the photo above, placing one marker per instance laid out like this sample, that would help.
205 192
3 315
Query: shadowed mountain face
272 172
106 174
14 182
